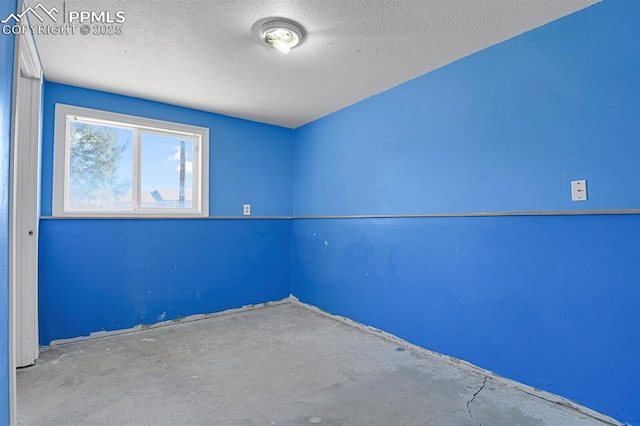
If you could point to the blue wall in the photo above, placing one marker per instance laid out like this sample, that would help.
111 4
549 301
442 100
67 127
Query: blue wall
111 274
502 130
114 274
6 84
551 301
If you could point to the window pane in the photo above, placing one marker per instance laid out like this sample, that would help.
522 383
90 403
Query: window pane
167 181
100 167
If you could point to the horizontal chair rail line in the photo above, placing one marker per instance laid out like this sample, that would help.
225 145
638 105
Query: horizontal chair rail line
371 216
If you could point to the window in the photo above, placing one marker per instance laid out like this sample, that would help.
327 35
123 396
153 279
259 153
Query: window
118 165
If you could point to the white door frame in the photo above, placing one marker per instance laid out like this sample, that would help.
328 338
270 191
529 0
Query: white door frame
24 211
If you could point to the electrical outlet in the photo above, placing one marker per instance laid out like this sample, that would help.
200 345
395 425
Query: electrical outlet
579 190
246 209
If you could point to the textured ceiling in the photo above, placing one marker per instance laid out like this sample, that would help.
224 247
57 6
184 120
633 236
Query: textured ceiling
204 54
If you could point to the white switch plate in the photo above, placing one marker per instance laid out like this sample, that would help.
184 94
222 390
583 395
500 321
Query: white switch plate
578 190
246 209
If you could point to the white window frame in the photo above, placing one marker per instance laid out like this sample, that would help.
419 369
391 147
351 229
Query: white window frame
200 173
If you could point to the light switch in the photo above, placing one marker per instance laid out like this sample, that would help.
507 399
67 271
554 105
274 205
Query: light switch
246 209
579 190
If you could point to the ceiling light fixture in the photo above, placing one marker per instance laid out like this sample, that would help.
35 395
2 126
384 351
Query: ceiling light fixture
281 34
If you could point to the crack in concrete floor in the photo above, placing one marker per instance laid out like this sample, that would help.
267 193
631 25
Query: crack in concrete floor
484 383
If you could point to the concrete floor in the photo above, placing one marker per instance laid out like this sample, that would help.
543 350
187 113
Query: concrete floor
280 365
